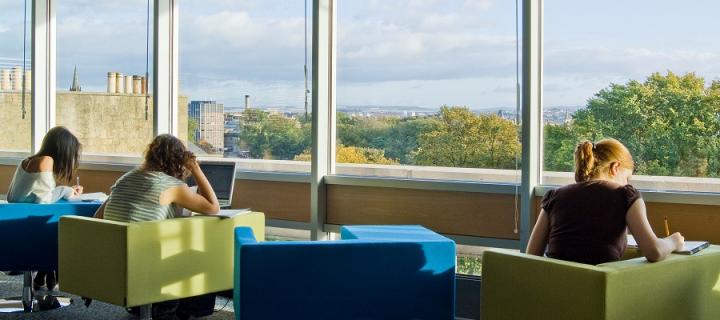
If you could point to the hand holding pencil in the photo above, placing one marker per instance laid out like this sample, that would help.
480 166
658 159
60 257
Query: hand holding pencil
677 239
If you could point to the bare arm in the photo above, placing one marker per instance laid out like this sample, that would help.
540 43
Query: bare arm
204 201
100 213
539 237
653 248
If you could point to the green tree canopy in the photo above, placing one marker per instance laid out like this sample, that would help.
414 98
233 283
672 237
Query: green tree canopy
273 136
464 139
669 122
354 155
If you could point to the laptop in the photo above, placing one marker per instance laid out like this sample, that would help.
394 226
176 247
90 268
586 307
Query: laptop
221 175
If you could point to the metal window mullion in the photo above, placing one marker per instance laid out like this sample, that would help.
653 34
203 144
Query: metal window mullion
165 67
43 71
323 111
531 98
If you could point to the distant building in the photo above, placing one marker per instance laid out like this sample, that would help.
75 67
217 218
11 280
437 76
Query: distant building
210 119
76 81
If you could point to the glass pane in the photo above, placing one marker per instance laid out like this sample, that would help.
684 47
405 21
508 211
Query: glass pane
104 65
649 77
245 74
428 89
15 78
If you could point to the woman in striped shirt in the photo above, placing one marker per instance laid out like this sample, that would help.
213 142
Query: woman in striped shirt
155 191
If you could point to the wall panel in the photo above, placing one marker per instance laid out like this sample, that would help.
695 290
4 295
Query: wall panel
449 212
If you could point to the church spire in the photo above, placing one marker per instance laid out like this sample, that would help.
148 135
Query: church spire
76 81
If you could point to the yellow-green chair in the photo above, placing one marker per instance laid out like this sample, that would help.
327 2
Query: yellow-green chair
140 263
521 286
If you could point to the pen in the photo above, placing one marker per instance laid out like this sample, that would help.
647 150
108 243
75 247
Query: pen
667 228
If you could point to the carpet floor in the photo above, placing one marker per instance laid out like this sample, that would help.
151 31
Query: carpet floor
12 285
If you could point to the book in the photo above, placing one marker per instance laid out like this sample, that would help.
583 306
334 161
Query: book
225 213
693 247
90 197
690 247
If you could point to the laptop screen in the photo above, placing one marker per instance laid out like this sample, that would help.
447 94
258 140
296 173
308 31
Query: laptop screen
221 176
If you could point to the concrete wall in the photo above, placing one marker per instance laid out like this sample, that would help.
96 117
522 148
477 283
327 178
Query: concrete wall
104 122
14 131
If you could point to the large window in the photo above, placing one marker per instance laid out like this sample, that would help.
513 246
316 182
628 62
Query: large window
426 84
15 77
643 72
104 66
245 76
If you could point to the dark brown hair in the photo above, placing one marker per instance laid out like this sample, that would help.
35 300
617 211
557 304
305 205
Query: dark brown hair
592 158
168 154
64 148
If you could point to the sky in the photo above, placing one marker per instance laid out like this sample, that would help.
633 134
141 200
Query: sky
413 53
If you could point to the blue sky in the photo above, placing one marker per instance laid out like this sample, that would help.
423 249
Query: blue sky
404 53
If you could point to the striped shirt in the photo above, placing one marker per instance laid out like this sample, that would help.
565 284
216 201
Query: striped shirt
136 197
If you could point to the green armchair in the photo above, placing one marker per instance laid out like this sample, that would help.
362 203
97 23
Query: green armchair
522 286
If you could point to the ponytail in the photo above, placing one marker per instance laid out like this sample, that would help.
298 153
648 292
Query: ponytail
584 161
593 160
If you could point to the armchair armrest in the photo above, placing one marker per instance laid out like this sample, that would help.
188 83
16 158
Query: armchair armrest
545 288
103 242
680 287
185 257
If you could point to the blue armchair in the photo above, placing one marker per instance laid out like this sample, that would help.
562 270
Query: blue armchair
29 237
374 272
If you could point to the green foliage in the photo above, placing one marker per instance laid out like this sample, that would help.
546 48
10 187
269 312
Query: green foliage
273 136
560 142
464 139
471 265
192 126
354 155
403 137
669 122
363 132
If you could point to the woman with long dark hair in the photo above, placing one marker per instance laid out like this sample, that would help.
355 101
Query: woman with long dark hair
44 178
37 177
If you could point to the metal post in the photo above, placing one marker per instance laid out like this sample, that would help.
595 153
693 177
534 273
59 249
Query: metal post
27 293
531 112
165 67
43 71
146 312
323 110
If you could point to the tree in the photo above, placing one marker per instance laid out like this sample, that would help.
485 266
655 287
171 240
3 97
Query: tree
403 137
354 155
560 143
464 139
363 132
670 123
192 127
273 135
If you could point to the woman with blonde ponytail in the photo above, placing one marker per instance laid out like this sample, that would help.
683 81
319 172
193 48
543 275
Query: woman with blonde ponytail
587 221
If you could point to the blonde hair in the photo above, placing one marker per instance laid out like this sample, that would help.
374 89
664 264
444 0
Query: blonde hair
592 159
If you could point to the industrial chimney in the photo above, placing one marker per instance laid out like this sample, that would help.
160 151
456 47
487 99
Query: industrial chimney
111 80
119 83
247 102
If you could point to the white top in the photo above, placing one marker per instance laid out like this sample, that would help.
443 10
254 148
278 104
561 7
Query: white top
36 187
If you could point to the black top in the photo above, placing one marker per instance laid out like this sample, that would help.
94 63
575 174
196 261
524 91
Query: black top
587 221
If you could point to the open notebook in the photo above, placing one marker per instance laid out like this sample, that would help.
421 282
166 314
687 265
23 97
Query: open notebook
90 197
690 247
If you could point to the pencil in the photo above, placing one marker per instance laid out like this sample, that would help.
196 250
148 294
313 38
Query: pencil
667 228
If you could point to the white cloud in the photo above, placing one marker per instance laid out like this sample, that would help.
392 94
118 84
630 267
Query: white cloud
478 4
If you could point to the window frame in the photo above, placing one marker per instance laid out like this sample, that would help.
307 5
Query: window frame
165 95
